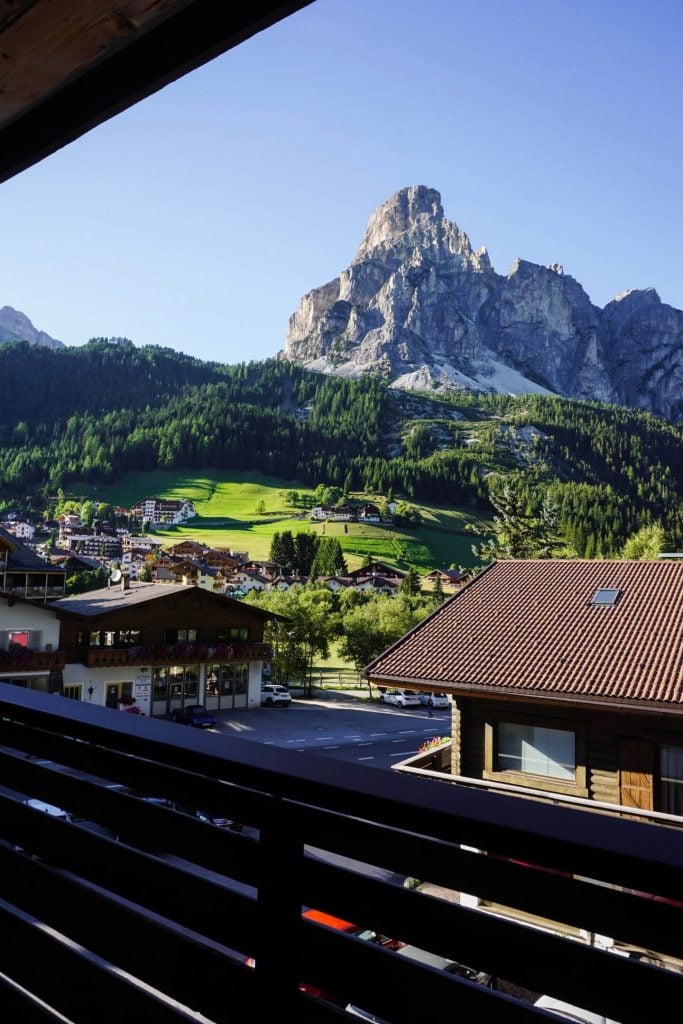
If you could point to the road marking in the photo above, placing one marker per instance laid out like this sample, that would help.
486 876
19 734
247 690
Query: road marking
324 737
365 744
356 736
378 734
269 742
406 732
302 739
367 758
330 748
397 741
403 753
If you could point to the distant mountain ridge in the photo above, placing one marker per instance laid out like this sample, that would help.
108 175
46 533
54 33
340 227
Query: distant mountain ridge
423 309
16 326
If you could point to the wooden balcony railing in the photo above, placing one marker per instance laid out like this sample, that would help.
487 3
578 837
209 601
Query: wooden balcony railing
129 909
175 654
30 661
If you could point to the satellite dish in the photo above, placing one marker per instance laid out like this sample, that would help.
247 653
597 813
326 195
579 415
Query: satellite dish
116 575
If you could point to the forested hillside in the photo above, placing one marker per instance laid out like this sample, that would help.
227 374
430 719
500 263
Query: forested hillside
95 412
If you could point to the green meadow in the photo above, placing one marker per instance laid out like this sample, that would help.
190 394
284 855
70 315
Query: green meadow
228 504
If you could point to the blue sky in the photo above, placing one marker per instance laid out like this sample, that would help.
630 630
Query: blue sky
198 218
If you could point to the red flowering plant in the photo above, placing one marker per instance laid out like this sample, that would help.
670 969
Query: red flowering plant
436 741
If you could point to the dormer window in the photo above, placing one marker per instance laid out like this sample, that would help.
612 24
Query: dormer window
605 597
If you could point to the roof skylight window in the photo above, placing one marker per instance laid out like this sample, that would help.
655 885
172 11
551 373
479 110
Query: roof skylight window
605 597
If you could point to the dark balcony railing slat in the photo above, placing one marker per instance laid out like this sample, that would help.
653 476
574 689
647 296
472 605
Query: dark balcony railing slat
407 850
486 943
576 903
224 915
302 804
19 1005
97 921
395 988
75 983
614 851
143 774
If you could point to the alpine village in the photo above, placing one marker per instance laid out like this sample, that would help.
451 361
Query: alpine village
346 683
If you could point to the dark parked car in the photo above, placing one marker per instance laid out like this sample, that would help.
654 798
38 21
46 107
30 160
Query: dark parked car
194 714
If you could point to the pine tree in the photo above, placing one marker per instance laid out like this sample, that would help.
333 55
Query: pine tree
410 584
329 558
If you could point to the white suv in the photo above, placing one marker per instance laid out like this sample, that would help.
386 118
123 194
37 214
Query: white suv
272 694
401 698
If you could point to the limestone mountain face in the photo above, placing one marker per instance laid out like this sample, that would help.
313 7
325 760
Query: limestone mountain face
424 309
15 326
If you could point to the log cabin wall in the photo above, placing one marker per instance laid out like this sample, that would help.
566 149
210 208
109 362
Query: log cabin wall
621 750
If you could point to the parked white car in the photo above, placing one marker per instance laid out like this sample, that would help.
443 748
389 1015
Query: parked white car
272 695
401 698
433 700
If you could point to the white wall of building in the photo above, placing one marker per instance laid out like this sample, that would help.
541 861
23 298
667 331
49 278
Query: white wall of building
35 618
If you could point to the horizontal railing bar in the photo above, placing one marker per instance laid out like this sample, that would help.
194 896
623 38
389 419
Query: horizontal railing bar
128 937
88 989
499 946
447 864
403 825
218 797
574 902
134 820
220 913
498 823
397 988
19 1005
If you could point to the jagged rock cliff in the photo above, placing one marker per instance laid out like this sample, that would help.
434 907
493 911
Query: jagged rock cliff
424 309
15 326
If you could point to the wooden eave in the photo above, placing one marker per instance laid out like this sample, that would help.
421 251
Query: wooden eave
68 65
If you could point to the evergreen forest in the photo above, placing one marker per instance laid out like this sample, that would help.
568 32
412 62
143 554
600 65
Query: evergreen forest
95 412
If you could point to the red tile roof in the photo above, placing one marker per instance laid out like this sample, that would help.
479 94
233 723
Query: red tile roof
529 627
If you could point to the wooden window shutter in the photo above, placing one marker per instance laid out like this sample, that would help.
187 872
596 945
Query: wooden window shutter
635 774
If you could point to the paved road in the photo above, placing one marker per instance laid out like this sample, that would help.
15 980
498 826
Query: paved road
337 726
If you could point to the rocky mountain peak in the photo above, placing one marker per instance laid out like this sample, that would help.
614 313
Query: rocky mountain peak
420 307
411 227
16 326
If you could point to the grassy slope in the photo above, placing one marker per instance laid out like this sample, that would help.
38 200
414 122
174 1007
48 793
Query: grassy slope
226 505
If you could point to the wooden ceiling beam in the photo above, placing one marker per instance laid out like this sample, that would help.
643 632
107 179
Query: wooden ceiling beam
66 66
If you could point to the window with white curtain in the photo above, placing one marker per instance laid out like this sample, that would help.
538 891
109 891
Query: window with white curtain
536 750
671 779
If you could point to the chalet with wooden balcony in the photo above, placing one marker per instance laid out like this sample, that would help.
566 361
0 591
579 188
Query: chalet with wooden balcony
566 678
24 574
162 647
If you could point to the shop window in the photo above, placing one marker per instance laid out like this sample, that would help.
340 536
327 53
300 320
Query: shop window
191 682
671 779
212 680
160 682
73 691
